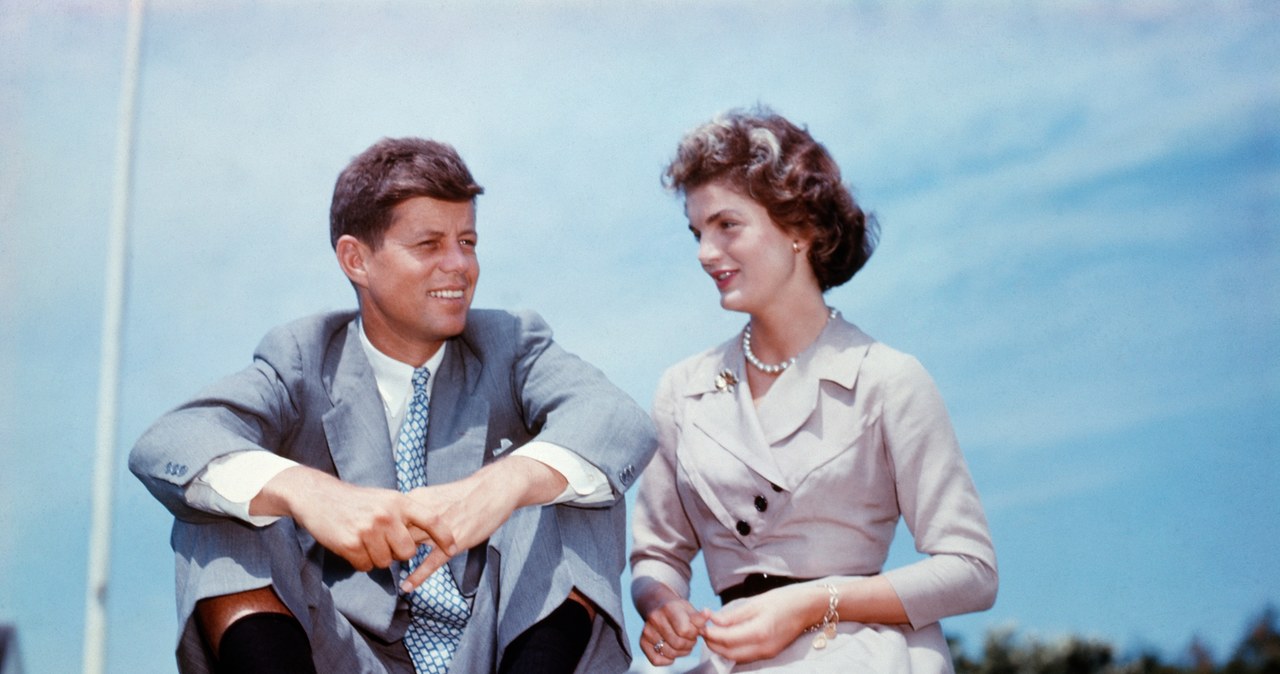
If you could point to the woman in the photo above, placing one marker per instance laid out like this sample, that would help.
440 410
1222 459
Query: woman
787 454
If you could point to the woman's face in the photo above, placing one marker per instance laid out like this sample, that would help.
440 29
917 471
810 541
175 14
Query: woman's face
752 262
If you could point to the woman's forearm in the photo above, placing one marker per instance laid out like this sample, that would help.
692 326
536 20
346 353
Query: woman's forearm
869 600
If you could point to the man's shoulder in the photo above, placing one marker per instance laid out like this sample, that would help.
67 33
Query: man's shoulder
488 329
489 319
307 333
318 324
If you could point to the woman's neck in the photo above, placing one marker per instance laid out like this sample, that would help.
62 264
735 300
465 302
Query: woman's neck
786 330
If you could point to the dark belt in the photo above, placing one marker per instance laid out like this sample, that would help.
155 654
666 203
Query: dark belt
757 583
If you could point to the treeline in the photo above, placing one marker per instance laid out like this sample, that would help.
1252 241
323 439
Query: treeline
1257 653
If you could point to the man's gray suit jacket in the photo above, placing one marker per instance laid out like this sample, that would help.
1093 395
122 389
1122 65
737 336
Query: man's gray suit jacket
310 396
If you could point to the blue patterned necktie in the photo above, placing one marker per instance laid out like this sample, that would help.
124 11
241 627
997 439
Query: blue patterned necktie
438 610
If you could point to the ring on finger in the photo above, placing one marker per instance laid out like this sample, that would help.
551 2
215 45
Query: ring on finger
661 644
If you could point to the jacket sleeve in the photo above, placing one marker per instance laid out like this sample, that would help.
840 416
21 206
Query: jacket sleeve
250 410
664 540
568 402
938 501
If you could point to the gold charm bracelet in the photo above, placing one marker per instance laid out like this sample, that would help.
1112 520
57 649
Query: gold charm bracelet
827 628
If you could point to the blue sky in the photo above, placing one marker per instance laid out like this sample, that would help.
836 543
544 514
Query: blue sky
1079 206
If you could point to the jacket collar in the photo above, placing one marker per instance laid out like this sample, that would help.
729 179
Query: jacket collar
836 356
829 358
733 420
458 426
356 426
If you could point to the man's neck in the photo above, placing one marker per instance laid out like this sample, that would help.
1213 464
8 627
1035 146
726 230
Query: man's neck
413 353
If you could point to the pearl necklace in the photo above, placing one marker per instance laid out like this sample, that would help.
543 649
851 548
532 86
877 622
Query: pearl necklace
765 367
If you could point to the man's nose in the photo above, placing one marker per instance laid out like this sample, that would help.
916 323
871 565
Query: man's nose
457 257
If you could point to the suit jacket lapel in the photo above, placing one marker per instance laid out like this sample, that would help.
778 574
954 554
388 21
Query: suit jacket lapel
728 416
835 356
356 426
750 434
457 429
459 419
796 401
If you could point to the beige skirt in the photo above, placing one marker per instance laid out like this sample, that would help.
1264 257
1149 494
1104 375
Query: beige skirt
856 649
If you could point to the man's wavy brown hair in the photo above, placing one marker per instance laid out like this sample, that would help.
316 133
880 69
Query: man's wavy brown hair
391 171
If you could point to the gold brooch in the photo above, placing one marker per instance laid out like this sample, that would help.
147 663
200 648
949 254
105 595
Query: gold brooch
725 381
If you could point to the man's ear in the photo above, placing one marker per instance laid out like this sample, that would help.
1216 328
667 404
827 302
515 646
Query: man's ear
352 254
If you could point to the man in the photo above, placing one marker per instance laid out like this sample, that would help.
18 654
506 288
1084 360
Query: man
416 486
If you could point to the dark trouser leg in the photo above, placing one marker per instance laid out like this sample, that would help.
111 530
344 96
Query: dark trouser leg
553 645
265 643
253 632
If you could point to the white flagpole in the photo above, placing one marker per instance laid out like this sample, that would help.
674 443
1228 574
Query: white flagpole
95 624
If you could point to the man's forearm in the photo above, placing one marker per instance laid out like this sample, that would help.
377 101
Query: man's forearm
370 527
278 496
587 484
526 481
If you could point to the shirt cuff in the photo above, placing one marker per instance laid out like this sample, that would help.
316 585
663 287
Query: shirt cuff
587 485
230 482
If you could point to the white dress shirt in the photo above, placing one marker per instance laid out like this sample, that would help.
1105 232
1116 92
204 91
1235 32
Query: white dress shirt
230 482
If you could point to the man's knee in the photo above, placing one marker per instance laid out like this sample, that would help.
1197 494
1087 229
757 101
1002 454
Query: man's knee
253 631
216 614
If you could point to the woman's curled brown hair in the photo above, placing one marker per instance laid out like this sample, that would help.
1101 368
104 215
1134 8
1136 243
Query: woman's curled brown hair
781 167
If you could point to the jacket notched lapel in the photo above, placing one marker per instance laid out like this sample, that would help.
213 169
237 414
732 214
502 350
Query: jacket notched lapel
356 426
355 429
750 434
457 429
459 420
724 415
810 409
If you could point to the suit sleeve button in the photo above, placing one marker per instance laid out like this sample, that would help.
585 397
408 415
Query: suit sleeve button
743 528
762 504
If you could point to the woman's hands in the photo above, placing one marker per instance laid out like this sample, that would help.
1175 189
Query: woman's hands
671 631
671 623
744 631
759 627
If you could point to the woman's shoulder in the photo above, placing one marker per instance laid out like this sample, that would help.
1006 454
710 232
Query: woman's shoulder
880 361
891 369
